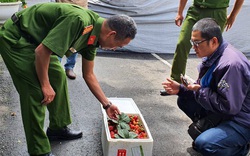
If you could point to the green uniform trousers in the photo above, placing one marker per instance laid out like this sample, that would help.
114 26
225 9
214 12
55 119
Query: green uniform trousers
183 47
19 57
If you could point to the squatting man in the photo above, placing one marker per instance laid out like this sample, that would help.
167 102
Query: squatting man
221 93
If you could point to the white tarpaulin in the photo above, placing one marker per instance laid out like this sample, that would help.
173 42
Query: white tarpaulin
157 32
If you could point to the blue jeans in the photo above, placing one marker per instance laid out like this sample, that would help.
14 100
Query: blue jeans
70 62
228 138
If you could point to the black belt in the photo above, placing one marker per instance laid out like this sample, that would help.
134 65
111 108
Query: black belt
200 6
15 19
206 7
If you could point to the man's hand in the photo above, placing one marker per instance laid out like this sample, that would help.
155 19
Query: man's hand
113 112
172 87
230 21
48 95
193 87
178 20
179 17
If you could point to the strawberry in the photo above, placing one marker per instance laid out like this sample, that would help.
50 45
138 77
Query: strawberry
111 128
112 134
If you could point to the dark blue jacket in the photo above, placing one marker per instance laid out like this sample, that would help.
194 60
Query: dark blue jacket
228 92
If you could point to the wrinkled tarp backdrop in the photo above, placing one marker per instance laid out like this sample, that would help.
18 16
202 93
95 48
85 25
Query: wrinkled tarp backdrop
157 32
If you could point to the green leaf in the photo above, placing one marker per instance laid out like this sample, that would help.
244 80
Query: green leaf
132 135
124 125
119 127
117 136
124 117
124 133
120 132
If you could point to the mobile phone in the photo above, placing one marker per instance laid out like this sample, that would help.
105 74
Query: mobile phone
184 80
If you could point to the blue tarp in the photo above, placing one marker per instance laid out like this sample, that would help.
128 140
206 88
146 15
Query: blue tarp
157 32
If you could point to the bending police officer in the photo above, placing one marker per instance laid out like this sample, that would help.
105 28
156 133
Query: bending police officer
30 44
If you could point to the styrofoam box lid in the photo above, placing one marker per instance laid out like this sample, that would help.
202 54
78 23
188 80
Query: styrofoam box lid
125 105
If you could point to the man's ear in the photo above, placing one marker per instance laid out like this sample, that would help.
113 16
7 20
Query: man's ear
111 33
215 41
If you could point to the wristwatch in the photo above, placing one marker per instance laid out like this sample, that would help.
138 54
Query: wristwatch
107 106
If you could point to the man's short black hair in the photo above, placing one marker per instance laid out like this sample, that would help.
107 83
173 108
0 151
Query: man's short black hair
209 28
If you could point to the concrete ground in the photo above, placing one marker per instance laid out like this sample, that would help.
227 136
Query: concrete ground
122 75
136 76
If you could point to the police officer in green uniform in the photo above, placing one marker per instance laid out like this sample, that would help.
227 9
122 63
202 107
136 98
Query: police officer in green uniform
30 43
216 9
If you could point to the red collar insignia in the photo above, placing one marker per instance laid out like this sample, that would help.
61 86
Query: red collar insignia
91 40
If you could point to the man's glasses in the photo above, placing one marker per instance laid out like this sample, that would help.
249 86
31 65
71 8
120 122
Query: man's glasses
196 43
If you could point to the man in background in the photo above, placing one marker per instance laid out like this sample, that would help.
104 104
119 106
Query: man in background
71 60
216 9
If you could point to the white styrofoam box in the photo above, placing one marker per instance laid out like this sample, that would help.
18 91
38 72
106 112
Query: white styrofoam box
125 147
125 105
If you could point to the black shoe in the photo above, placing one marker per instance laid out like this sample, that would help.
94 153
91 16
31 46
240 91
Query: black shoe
63 134
164 93
47 154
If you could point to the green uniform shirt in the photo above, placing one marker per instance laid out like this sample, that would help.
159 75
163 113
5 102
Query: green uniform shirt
211 4
63 28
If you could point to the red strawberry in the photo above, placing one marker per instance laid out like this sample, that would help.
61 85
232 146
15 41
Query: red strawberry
111 128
